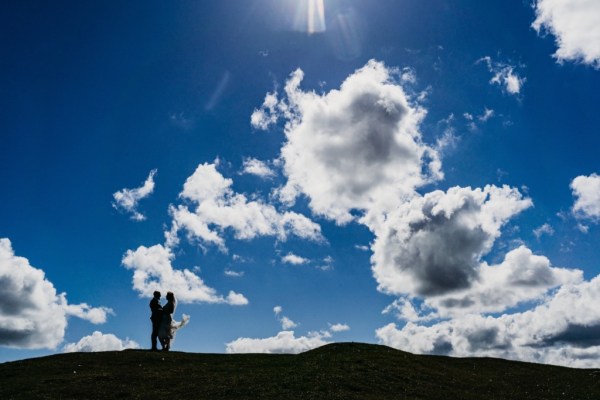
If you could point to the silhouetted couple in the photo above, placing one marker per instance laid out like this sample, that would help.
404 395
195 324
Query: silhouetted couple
162 321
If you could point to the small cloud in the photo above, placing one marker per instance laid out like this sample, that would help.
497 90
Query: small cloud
127 199
252 166
545 229
95 315
408 75
293 259
487 114
586 190
583 228
236 299
327 264
182 121
504 75
361 247
473 120
339 327
470 121
501 174
234 274
286 323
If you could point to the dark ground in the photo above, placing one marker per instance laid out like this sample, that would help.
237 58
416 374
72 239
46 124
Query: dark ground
336 371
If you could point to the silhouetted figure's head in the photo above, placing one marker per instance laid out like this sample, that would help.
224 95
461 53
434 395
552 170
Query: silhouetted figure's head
170 297
157 294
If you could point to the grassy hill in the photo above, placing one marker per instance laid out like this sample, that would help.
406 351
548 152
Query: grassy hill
336 371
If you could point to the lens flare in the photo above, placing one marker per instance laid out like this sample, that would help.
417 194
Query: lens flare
310 16
316 16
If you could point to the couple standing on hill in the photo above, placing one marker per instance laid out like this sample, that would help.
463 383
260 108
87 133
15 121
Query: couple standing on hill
162 318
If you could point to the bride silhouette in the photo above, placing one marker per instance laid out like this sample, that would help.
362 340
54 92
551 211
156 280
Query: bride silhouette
168 326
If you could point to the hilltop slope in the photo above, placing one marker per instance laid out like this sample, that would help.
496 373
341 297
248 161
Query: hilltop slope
336 371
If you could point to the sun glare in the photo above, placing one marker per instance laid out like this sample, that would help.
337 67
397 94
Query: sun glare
316 16
310 16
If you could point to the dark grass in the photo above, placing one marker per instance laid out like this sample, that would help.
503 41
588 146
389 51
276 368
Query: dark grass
336 371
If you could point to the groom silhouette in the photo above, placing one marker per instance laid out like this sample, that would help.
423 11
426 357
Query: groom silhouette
156 317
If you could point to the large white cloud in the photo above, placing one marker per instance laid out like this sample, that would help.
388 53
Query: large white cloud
576 27
153 270
432 248
357 154
564 330
32 314
586 190
99 341
521 277
432 245
216 207
128 199
356 148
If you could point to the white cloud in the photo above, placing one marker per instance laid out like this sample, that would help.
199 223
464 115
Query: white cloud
32 314
432 245
286 323
408 75
356 148
128 199
504 75
487 114
521 277
339 328
562 330
284 342
95 315
482 118
256 167
217 208
291 258
153 270
545 229
99 341
586 190
266 116
432 248
405 310
234 274
326 264
576 27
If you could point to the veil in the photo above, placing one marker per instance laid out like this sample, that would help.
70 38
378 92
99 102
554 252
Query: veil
176 325
168 331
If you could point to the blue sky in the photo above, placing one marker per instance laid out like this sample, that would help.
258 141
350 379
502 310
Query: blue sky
417 174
